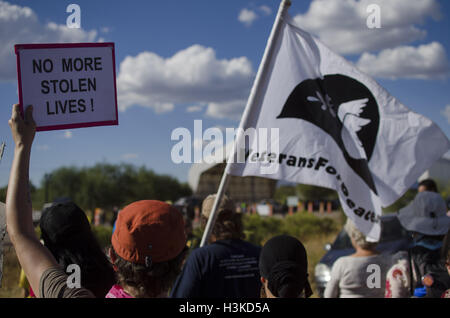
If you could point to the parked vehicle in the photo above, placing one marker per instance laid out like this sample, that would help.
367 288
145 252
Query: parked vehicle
186 205
393 238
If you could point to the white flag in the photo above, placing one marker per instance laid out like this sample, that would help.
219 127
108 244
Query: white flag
338 129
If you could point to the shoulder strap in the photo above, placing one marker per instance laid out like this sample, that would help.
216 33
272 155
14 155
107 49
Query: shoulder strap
411 278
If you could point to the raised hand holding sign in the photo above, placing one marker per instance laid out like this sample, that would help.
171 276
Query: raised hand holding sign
69 85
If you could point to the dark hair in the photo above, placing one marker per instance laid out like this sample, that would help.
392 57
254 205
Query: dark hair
66 232
227 226
285 281
429 185
148 282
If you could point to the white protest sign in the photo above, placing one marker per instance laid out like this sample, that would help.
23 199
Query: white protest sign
292 201
69 85
263 209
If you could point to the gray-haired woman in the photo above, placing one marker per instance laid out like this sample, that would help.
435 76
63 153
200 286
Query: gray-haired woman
360 275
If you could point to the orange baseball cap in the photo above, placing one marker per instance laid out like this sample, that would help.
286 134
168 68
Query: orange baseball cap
149 231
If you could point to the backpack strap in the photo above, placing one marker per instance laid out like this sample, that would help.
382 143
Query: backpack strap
411 266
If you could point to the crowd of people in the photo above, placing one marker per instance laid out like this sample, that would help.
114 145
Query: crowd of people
149 256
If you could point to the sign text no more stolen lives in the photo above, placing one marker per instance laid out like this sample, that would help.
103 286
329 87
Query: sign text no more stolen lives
69 85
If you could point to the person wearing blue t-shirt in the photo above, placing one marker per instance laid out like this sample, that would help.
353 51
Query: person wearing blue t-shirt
228 266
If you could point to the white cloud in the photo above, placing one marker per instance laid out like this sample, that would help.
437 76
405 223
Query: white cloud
67 134
247 16
20 25
231 110
193 75
446 113
265 9
194 109
130 156
426 61
342 24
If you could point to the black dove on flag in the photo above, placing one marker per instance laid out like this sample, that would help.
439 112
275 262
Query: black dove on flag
346 110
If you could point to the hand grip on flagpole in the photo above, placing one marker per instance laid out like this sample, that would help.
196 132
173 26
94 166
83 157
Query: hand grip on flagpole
285 4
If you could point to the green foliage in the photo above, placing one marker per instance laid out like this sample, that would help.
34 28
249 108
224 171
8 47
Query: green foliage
303 226
444 189
103 235
281 193
309 192
196 237
106 185
3 194
402 202
259 229
37 230
34 192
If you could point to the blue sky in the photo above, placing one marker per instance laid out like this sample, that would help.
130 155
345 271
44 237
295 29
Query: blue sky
225 40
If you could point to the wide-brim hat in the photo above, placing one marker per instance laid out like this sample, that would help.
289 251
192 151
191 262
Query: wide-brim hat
426 214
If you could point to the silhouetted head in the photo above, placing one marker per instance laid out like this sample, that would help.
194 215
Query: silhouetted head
283 266
228 224
427 185
63 223
358 238
66 232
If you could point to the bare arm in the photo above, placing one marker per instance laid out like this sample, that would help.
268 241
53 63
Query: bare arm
33 256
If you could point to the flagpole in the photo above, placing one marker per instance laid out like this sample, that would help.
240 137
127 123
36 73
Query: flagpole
284 6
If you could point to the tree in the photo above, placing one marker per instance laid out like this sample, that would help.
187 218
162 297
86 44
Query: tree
63 182
402 202
106 186
3 194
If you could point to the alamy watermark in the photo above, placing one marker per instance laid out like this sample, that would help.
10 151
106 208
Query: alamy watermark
74 19
74 279
373 20
210 146
374 279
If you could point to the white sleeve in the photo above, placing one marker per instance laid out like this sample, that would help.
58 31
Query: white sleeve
332 289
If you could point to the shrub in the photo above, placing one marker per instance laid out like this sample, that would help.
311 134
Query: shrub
259 229
304 226
103 235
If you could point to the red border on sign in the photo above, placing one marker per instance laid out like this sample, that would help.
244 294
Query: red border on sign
19 47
